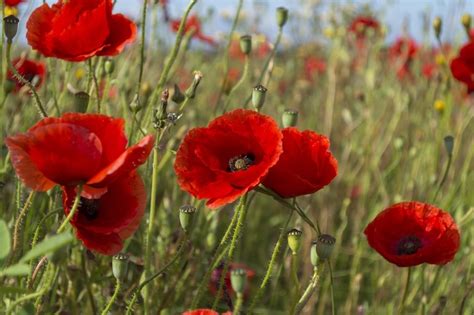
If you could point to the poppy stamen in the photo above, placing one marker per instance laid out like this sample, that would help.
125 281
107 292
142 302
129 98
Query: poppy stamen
241 162
408 245
89 208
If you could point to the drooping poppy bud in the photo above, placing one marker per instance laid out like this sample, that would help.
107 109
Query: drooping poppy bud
191 91
449 144
109 66
281 16
437 26
177 97
81 101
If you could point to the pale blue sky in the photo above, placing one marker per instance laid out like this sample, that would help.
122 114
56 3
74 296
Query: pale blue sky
394 13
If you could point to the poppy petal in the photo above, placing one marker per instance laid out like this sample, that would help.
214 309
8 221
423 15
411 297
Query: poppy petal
39 27
106 244
124 32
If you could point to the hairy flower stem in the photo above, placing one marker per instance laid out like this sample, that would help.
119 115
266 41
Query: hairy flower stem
112 299
233 245
142 47
72 211
19 77
401 308
269 270
18 222
238 84
308 292
218 255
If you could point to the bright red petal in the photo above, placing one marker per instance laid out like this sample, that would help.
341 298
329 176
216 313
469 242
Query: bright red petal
39 27
124 32
106 244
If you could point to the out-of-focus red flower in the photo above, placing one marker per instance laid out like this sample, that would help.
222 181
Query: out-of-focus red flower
313 66
361 24
193 24
31 70
429 70
229 157
216 276
103 223
261 49
232 78
13 3
205 311
401 53
305 166
413 233
75 149
76 30
462 67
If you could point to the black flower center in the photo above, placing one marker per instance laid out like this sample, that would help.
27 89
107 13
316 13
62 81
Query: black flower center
408 245
241 162
89 208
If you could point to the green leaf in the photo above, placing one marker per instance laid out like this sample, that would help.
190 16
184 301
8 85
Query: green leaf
16 270
5 241
48 245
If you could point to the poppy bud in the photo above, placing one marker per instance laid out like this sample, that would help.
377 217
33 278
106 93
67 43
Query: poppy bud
437 26
314 254
294 240
246 44
81 101
258 96
449 144
120 266
8 86
289 118
325 246
109 66
177 97
135 105
191 91
186 215
238 279
11 27
281 16
466 22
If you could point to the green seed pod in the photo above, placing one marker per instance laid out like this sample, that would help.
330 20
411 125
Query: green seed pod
314 254
81 101
11 27
238 279
294 240
135 105
449 144
258 96
109 66
177 97
466 21
186 215
281 16
191 91
120 266
325 246
289 118
246 44
437 26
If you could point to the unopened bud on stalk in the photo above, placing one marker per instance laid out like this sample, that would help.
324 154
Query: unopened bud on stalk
449 144
191 91
11 27
120 266
314 254
466 21
109 66
135 105
186 215
281 16
294 240
81 101
238 279
437 26
160 113
258 96
246 44
325 246
177 97
289 118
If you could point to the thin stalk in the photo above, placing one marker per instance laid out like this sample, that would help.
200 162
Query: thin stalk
19 220
331 285
142 47
296 281
75 206
308 292
401 308
112 299
238 303
88 285
445 175
238 84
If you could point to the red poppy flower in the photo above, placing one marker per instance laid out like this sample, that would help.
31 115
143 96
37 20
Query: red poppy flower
75 30
205 311
462 67
361 24
103 223
429 70
30 70
412 233
305 166
13 3
312 66
216 276
74 149
404 48
229 157
193 24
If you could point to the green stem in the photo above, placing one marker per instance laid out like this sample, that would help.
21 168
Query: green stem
238 84
401 308
22 80
72 211
19 220
238 303
296 282
112 299
308 292
96 84
142 48
331 285
445 175
269 270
